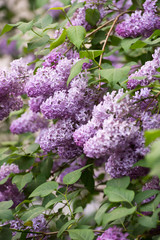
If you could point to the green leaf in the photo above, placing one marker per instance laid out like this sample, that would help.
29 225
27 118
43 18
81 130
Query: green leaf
78 210
151 206
114 75
91 54
151 135
81 234
5 233
8 27
116 194
87 179
76 35
5 214
44 189
74 176
4 180
32 213
65 226
60 198
6 204
59 40
149 222
122 182
39 42
24 162
92 16
117 214
76 69
127 43
44 21
100 213
138 44
144 195
24 27
32 148
22 180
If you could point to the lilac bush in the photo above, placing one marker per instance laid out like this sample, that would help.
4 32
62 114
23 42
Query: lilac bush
86 126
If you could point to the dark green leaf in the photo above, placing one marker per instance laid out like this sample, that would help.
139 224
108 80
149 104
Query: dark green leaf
6 214
65 227
77 234
32 148
32 213
74 176
114 75
24 162
126 43
92 16
76 69
144 195
91 54
5 234
117 214
122 182
22 180
138 44
76 35
116 194
44 189
59 40
100 213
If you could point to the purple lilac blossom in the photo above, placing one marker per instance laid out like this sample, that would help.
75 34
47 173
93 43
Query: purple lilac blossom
48 80
39 224
54 4
152 184
28 122
35 103
9 49
147 71
113 132
113 233
140 23
9 191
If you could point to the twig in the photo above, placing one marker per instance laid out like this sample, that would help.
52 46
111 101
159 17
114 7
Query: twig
106 23
106 40
76 185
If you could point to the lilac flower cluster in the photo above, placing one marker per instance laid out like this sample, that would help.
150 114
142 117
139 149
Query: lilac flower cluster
139 23
152 184
113 233
146 72
113 133
9 191
53 4
12 86
50 95
9 49
38 225
28 122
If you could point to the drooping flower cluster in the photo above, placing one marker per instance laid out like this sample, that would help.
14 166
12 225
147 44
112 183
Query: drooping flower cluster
28 122
140 23
113 132
50 95
12 86
38 224
9 191
146 72
113 233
